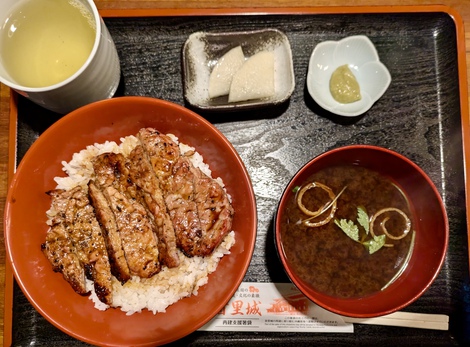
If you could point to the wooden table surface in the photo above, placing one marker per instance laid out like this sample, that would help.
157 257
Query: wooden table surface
461 6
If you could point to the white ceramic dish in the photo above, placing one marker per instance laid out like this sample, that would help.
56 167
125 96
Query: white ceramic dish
97 79
360 54
202 50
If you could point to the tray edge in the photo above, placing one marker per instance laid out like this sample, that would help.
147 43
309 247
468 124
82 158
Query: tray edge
110 13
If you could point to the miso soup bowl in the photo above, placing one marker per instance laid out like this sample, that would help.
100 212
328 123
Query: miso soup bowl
430 224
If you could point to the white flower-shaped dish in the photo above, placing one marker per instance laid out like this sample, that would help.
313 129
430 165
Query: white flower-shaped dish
359 53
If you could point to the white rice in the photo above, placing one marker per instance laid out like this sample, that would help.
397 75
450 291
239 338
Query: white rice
169 285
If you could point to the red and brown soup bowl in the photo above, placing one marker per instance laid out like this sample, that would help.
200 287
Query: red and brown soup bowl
361 231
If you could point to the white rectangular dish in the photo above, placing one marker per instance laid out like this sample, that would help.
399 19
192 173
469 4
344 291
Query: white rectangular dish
202 50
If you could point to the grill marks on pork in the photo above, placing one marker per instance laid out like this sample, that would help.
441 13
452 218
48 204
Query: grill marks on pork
76 227
172 171
162 151
198 206
60 252
141 173
214 209
182 207
135 229
105 217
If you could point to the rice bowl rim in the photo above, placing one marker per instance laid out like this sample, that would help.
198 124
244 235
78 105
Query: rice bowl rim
245 238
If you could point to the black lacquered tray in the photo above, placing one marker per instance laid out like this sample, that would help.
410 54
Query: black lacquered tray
419 116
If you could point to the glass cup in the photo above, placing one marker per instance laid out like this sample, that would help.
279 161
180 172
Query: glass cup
97 79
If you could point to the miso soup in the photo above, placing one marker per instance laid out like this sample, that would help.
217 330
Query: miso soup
321 250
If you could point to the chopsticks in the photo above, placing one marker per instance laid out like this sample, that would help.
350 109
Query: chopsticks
406 319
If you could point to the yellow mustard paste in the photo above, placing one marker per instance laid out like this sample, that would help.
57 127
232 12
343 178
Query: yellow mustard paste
344 86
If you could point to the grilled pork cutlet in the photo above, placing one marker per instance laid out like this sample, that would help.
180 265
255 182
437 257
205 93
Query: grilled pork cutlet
135 229
210 207
86 235
183 208
162 152
141 173
105 217
215 212
198 206
76 216
172 171
60 252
